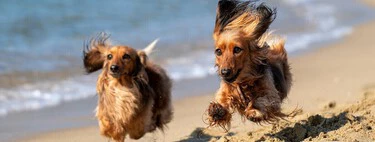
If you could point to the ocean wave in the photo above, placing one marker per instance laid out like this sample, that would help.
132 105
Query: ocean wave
45 94
194 65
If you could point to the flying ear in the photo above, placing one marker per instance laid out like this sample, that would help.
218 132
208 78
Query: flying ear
225 13
263 17
243 16
138 66
94 52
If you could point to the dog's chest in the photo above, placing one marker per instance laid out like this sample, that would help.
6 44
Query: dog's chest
119 99
243 93
122 93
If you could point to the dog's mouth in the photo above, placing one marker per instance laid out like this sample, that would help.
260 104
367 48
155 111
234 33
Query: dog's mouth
233 78
115 75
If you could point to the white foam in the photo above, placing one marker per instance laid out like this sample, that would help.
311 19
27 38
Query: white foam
45 94
304 41
194 65
321 17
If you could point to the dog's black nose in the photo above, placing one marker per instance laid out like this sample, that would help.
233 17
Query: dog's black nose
114 68
226 72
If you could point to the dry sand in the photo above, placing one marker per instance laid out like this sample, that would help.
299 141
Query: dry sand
329 86
351 123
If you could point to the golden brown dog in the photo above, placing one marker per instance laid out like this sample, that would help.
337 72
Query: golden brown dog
134 94
252 63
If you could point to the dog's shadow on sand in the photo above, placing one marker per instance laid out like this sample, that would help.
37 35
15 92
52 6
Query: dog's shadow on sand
201 135
312 127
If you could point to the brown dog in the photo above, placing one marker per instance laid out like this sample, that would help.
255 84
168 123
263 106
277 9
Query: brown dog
134 94
252 63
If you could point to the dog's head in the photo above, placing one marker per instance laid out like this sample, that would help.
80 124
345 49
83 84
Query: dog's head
239 37
116 61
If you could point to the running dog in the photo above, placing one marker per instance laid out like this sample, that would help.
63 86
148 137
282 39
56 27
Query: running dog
134 94
251 62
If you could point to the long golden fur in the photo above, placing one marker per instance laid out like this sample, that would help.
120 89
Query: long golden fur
134 94
252 63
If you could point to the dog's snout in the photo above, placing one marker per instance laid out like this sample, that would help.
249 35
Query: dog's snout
114 68
226 72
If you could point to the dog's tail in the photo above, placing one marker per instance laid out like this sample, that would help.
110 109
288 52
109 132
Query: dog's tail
147 51
278 59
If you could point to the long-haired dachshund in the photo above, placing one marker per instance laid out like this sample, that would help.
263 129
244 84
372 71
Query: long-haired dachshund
134 94
252 63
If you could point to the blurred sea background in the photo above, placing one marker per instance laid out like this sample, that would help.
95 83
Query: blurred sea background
41 41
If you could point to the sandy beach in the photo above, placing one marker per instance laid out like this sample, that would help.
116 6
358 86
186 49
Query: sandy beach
333 85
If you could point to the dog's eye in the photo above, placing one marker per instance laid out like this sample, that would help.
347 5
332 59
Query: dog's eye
126 56
109 56
237 50
218 52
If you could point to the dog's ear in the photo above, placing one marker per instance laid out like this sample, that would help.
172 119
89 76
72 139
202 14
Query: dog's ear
138 66
226 10
243 16
94 52
263 17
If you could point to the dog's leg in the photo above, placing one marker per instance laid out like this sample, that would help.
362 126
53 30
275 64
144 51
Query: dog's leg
219 111
164 116
120 138
148 116
143 122
108 129
137 128
266 107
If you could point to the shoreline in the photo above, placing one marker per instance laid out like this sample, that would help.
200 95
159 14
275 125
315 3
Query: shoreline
334 73
78 114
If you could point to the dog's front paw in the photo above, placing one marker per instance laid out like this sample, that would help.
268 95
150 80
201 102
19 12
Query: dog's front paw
218 115
217 112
